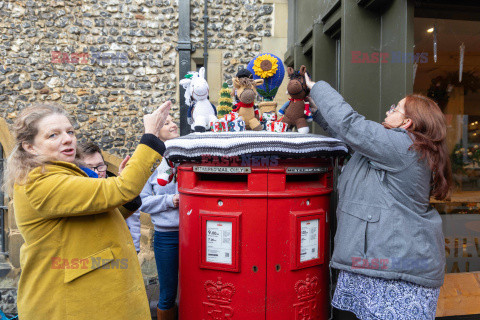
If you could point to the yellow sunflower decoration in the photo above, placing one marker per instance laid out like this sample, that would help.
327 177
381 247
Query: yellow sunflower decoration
265 66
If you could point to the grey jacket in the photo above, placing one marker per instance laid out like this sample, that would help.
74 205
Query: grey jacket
157 201
134 225
385 225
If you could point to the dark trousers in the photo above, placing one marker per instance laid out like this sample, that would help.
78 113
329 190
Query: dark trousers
165 247
343 315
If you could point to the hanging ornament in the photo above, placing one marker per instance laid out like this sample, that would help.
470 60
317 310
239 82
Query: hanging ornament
435 43
415 66
462 54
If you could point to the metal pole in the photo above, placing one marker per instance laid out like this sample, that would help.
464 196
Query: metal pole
184 52
205 37
3 208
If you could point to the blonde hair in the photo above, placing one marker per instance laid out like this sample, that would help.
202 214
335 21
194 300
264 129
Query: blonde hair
25 128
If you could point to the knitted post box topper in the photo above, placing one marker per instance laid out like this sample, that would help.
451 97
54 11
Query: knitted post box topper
246 92
295 114
165 172
200 110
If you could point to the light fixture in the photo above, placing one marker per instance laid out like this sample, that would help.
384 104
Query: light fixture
430 30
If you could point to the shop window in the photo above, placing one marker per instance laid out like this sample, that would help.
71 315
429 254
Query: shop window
454 83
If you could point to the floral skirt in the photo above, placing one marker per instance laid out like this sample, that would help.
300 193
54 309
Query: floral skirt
376 298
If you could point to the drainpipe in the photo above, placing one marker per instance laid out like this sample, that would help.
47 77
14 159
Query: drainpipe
184 56
3 208
205 37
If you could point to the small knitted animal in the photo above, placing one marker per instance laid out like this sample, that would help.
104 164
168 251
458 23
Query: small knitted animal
295 114
245 91
200 110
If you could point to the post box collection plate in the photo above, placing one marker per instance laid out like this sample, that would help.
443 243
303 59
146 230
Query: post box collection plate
308 233
208 169
305 170
309 240
219 241
220 237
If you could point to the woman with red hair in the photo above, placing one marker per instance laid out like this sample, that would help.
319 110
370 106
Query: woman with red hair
389 244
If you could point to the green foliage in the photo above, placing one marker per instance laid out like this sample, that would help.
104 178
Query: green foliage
267 95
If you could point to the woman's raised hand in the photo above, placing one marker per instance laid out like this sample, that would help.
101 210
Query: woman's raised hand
123 164
154 122
313 106
309 81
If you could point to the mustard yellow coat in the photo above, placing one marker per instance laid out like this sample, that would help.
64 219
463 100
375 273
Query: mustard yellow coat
78 261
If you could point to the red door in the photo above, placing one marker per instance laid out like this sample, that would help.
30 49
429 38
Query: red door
297 238
223 244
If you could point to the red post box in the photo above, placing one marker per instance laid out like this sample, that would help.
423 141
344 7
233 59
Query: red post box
254 238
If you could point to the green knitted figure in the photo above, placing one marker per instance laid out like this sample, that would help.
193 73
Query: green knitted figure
225 101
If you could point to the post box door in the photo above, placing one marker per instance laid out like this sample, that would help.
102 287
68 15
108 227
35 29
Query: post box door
223 262
297 237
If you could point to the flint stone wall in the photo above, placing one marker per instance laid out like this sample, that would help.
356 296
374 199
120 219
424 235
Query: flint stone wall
109 62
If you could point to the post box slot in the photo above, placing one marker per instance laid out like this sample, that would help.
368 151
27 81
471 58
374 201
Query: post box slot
302 178
223 177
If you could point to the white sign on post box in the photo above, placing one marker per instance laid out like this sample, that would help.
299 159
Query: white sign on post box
219 242
309 240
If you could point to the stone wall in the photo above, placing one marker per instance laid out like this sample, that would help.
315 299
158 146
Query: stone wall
236 27
108 62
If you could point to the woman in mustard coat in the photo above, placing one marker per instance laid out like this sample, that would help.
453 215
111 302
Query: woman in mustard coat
78 261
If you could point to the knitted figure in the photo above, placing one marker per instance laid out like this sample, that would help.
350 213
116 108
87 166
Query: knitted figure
245 91
308 112
295 114
165 172
200 110
242 73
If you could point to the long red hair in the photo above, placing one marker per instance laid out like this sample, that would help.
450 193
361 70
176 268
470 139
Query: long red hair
430 132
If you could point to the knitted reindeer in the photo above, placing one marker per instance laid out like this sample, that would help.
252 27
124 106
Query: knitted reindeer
246 92
200 110
296 112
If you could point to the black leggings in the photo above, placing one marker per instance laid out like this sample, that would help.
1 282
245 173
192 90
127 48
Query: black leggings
343 315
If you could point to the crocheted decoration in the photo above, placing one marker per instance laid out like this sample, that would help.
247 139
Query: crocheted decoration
225 101
268 117
265 66
270 68
230 122
276 126
165 172
229 144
